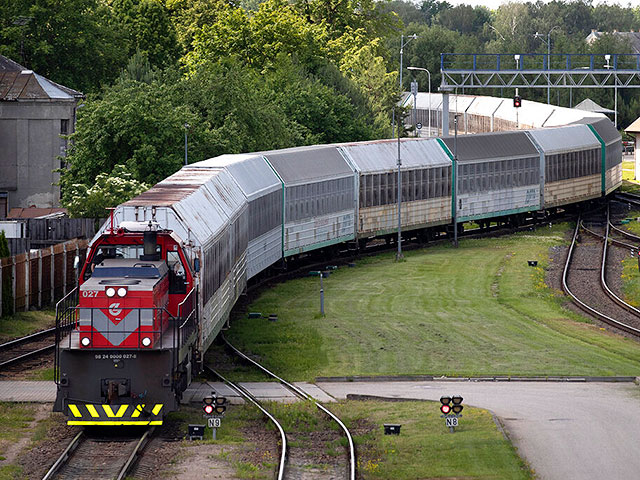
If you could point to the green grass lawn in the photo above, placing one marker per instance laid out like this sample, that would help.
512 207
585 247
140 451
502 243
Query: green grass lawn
476 310
628 170
425 448
24 323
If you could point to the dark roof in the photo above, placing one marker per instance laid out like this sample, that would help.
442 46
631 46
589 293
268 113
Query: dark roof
309 163
486 146
20 83
33 212
604 127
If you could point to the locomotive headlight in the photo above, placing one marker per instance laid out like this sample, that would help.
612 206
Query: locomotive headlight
111 292
85 341
146 341
122 292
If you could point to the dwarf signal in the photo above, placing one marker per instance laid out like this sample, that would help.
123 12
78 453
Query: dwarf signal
517 101
451 408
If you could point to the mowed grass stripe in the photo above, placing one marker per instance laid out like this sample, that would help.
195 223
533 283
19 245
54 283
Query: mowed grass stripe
476 310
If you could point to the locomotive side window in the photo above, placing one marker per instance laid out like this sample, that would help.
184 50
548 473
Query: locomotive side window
177 277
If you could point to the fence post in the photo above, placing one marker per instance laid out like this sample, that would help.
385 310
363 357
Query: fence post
27 282
53 278
64 269
39 278
13 281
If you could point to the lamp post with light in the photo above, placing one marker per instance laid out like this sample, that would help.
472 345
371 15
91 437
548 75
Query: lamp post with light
428 73
399 254
548 42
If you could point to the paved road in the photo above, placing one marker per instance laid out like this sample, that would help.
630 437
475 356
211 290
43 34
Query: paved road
564 430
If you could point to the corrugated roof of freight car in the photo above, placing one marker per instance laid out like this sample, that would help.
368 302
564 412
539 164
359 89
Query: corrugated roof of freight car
382 156
497 145
312 163
566 116
422 100
173 188
202 198
485 106
532 114
560 139
605 129
251 171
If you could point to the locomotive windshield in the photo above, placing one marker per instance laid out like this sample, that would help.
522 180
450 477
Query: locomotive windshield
136 271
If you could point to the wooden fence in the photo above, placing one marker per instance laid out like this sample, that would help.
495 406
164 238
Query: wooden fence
42 277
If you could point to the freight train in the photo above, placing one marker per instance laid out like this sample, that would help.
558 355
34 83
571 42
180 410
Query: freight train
163 273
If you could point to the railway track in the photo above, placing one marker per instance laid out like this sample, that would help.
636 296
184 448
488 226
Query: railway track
587 266
27 349
99 457
293 460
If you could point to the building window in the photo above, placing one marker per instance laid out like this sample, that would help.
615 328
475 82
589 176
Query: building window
64 127
4 204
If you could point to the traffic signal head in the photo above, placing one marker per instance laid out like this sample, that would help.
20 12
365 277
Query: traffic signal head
446 405
208 405
517 101
220 405
457 404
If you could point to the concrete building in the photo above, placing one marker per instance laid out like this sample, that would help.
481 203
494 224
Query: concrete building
34 113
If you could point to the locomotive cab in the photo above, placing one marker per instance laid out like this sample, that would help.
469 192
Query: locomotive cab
124 304
125 346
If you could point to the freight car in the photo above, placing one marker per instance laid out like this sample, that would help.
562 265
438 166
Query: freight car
162 275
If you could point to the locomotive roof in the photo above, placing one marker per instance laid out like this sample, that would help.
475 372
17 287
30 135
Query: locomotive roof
126 272
492 146
312 163
382 156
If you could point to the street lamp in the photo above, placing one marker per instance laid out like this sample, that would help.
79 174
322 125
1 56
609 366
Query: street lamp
548 42
399 254
428 73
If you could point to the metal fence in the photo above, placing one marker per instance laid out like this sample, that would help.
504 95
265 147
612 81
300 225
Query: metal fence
40 277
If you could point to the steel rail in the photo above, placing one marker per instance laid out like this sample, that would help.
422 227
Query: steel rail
27 339
625 233
24 356
243 392
305 396
64 457
137 451
603 281
580 303
612 240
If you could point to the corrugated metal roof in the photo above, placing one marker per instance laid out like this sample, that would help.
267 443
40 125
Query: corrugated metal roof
203 200
383 156
532 114
553 140
485 106
304 164
606 130
252 172
20 83
492 146
566 116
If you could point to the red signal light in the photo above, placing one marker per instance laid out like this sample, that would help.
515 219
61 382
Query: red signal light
446 409
208 409
517 101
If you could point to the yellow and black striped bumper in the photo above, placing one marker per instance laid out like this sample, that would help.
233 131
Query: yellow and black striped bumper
114 415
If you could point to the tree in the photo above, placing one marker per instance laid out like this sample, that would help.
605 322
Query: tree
464 18
70 42
109 190
148 27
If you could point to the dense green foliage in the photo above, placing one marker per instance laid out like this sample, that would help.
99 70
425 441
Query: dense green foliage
261 74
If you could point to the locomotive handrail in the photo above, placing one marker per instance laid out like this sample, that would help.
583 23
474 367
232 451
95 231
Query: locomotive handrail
62 307
160 332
